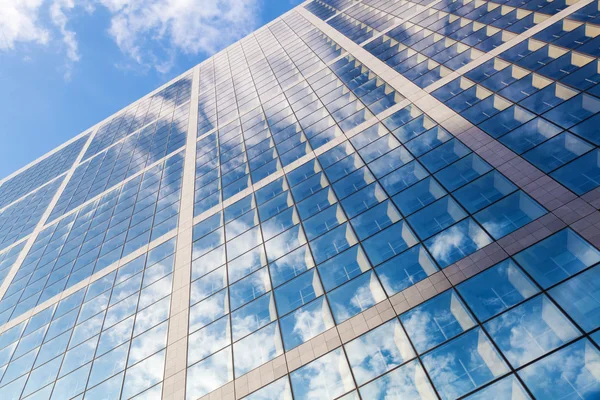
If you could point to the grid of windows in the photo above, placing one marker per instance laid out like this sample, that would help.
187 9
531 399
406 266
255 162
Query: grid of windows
103 339
365 220
305 115
7 260
40 173
519 325
157 107
20 219
540 99
383 253
124 160
97 235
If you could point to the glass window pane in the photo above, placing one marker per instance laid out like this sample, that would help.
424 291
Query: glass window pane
530 330
355 296
496 289
437 320
436 217
569 373
325 378
209 310
378 351
343 267
305 323
557 257
333 242
464 364
409 382
278 390
484 191
582 174
463 171
375 219
256 349
291 265
405 270
579 298
457 242
508 388
208 285
389 242
253 316
108 365
419 195
298 292
209 374
208 340
509 214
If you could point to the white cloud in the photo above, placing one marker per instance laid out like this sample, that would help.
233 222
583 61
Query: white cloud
19 22
149 33
59 19
189 26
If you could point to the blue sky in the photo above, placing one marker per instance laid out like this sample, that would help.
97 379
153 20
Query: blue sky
67 64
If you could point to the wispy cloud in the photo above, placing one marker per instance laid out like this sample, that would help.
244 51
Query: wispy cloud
19 22
59 19
149 33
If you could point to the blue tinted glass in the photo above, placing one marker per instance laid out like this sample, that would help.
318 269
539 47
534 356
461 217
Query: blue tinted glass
324 221
390 242
270 191
292 325
405 270
298 292
578 297
407 382
557 151
428 141
506 121
253 316
444 155
462 172
484 191
568 373
343 267
582 174
496 289
375 219
464 364
574 111
326 377
506 388
355 296
436 217
530 330
333 242
589 129
316 203
378 351
437 320
457 242
530 135
418 196
547 98
291 265
249 288
404 177
557 257
509 214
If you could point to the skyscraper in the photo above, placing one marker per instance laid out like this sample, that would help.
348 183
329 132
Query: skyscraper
361 200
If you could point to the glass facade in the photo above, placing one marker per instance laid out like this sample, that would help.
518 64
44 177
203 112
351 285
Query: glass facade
376 199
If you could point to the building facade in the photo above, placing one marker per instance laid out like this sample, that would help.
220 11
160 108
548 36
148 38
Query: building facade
376 199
